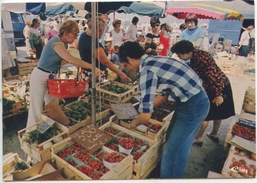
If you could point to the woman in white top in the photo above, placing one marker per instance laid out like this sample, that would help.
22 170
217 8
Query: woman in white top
117 33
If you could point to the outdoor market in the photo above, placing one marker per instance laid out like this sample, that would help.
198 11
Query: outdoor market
128 90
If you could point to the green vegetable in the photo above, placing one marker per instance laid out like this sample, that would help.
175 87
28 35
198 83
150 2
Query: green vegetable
20 166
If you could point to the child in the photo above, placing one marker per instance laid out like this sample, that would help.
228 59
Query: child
141 40
115 56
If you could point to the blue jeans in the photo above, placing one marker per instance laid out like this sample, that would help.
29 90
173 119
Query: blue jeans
184 125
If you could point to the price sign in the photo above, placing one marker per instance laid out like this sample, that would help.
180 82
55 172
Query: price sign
91 138
124 111
44 126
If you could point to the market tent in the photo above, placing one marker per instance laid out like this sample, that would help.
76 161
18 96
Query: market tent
59 9
201 13
229 14
33 8
145 9
107 7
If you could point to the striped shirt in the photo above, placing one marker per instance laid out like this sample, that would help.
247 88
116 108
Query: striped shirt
165 74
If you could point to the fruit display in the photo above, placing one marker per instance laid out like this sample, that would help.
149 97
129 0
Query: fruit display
154 127
163 111
84 157
111 130
244 131
66 152
245 153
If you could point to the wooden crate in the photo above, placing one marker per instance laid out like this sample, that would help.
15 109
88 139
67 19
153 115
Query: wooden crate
9 161
26 68
123 170
67 129
17 108
148 161
38 152
154 136
107 97
99 115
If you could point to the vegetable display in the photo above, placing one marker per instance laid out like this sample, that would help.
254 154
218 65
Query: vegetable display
7 105
35 137
115 89
245 132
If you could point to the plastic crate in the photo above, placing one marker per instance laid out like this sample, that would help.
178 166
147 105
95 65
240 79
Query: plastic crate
66 88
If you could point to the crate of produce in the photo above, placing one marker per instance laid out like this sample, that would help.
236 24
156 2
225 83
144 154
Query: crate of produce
12 163
90 166
36 144
240 163
154 130
115 92
245 130
162 113
73 126
85 107
13 106
145 151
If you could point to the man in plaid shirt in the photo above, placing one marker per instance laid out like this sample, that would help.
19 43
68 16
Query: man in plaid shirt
159 78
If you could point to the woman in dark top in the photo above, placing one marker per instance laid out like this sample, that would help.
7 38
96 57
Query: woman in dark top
216 84
152 39
85 51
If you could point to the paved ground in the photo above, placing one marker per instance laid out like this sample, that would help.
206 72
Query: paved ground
209 157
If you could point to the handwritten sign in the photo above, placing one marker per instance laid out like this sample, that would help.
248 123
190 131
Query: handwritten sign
44 126
124 111
91 138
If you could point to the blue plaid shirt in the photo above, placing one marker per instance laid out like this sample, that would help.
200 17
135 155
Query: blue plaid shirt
164 74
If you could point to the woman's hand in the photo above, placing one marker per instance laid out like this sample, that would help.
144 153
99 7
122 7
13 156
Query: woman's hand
98 72
218 100
63 62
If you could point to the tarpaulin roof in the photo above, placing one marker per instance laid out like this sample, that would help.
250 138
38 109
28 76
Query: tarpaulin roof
59 9
144 8
201 13
107 7
33 8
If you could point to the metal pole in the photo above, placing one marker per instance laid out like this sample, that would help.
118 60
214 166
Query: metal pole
93 94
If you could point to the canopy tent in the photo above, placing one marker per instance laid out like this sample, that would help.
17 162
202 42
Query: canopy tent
145 9
240 6
59 9
229 14
33 8
201 13
107 7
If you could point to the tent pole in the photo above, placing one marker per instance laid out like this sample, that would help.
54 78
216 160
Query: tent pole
93 94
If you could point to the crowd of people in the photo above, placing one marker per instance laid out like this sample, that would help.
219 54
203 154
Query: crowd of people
201 91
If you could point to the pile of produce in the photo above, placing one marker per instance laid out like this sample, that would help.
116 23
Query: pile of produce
35 137
244 131
19 166
7 105
115 89
163 111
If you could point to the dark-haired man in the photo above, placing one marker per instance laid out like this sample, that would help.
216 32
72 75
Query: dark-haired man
160 78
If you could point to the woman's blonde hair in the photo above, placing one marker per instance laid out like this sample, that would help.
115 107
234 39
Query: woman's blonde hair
69 26
99 22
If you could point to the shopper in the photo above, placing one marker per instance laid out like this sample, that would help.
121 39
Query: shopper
85 51
35 40
193 33
51 33
26 33
117 33
244 43
131 31
53 54
152 39
215 83
165 39
175 79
